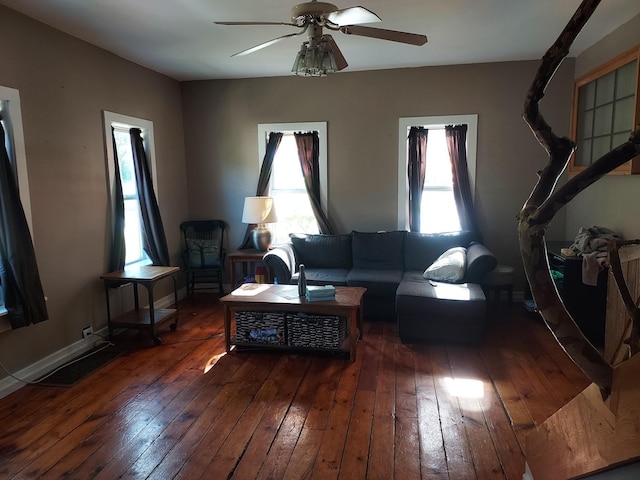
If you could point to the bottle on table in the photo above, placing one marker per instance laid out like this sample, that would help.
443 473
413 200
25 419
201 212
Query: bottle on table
302 281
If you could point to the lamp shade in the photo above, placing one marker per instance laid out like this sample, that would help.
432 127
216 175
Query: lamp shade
315 60
259 210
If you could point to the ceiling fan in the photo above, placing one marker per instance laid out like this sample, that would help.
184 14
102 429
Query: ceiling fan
320 54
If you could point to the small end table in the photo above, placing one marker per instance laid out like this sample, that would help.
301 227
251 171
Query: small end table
147 276
245 257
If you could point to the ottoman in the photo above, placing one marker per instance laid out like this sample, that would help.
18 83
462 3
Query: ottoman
433 312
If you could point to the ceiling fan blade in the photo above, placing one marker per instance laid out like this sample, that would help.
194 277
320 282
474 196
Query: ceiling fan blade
266 44
352 16
392 35
341 62
257 23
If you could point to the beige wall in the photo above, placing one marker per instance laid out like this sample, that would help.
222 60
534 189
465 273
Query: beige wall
64 85
362 111
606 203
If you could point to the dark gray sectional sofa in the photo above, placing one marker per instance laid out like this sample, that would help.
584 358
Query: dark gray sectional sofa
390 265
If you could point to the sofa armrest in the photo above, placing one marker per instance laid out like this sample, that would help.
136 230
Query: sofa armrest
480 261
281 262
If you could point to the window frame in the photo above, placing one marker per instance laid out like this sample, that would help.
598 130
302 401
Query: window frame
631 167
264 129
12 98
440 121
20 157
117 120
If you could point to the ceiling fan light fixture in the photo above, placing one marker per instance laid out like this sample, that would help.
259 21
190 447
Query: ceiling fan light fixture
315 61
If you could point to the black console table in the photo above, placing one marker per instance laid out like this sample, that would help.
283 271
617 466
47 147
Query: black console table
587 304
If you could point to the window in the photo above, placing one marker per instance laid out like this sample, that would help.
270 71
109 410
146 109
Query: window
605 109
121 125
11 118
287 183
438 212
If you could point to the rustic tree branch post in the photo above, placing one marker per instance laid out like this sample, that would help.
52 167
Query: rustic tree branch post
543 203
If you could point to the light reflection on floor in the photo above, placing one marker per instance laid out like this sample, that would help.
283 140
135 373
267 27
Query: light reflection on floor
465 387
212 361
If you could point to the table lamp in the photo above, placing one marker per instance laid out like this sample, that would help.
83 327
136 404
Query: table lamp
260 211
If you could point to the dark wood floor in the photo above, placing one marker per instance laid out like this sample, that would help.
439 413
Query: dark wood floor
186 410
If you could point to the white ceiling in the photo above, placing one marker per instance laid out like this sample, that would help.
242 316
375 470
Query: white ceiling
178 37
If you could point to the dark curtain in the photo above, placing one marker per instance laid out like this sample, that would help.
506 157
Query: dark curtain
309 154
416 168
118 252
154 239
456 143
23 294
263 180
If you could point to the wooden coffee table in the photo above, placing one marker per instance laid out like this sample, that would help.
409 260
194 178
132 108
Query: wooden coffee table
283 298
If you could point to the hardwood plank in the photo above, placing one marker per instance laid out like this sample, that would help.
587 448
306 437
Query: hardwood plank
356 449
271 403
212 398
456 443
304 455
183 381
325 395
470 385
232 404
187 410
275 464
328 459
129 425
505 441
570 370
77 412
433 462
519 416
382 451
407 448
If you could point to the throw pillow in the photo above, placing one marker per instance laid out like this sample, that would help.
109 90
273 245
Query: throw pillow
203 253
449 267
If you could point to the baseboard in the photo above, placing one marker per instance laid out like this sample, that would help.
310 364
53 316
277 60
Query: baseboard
9 384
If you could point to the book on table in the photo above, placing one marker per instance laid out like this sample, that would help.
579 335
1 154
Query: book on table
320 293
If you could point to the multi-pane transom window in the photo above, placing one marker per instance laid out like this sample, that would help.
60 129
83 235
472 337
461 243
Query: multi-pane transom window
605 111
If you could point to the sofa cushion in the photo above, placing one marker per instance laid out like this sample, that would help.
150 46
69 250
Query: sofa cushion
322 251
377 282
440 312
480 261
449 267
378 250
324 276
422 249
